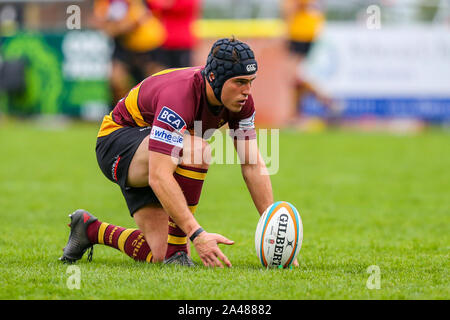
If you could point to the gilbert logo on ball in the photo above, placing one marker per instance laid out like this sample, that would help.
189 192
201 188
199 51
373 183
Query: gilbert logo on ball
279 235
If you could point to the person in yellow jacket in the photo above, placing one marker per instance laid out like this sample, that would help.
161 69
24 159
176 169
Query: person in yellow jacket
304 21
137 36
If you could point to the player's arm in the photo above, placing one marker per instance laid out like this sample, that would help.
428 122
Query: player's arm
161 180
255 173
169 193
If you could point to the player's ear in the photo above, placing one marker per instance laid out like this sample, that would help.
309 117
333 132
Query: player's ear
211 76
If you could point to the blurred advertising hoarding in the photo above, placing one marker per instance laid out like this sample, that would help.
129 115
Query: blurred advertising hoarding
66 73
395 71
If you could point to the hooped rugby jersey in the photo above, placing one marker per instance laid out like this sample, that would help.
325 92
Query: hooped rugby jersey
172 101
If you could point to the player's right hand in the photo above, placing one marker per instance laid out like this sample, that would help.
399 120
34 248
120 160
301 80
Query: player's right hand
207 248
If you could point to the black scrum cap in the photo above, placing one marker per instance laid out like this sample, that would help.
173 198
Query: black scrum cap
228 58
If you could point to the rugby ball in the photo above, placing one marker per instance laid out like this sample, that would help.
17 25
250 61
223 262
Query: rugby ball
279 235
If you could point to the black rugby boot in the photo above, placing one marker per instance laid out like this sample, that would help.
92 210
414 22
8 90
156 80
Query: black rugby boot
78 241
180 258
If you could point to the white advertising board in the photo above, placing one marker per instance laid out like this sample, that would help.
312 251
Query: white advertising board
394 61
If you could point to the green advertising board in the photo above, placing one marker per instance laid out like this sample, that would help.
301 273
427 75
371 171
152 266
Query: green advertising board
65 73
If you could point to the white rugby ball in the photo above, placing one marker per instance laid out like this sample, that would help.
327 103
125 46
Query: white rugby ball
279 235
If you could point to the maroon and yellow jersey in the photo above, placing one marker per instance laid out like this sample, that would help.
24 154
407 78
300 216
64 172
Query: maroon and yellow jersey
172 101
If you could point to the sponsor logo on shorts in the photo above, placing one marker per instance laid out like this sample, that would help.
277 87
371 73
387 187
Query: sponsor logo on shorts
165 136
172 118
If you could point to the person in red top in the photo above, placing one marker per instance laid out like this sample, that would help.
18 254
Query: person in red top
146 146
177 17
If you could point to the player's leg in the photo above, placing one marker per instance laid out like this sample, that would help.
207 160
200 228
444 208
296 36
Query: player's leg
120 80
149 241
294 61
130 241
86 231
114 154
152 221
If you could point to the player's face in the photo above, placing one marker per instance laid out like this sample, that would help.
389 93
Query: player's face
235 92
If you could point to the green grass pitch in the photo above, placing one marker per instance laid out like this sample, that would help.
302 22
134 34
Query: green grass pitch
365 199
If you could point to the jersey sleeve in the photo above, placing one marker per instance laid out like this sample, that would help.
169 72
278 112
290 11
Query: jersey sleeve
242 124
174 113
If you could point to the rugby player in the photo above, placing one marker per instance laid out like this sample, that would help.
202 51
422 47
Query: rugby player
147 145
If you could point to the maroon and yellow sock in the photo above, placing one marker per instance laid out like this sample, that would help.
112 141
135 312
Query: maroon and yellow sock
129 241
191 182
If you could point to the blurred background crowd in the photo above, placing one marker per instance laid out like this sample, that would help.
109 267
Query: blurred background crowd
366 63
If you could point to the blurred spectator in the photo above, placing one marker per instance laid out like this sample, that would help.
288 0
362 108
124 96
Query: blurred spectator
11 18
137 36
178 17
304 20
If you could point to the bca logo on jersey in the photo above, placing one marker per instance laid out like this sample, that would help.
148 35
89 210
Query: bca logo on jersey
251 67
172 118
